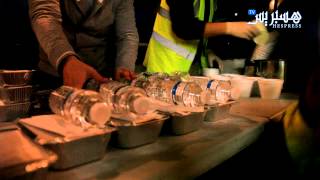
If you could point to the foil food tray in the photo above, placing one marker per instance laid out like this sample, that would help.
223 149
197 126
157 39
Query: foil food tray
74 151
21 158
180 125
9 112
128 135
218 112
15 77
16 94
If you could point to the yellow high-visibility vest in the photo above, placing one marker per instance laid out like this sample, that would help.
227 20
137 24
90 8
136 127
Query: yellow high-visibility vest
168 53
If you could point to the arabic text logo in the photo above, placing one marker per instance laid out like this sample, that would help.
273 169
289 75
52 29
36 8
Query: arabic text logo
278 20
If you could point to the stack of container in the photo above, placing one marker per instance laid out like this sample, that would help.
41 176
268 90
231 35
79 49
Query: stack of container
15 93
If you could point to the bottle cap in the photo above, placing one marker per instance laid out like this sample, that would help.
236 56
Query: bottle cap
100 113
210 72
142 105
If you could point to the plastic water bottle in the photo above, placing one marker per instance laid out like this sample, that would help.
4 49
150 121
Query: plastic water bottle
218 90
171 89
148 80
221 89
125 98
82 107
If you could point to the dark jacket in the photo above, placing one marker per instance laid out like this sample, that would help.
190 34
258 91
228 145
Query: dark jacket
100 32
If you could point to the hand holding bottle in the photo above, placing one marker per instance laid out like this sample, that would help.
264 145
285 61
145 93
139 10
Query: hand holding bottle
76 73
124 73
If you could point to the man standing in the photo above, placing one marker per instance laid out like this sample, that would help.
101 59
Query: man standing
83 39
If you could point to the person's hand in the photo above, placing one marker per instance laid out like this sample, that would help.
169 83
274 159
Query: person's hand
75 73
124 73
213 57
242 30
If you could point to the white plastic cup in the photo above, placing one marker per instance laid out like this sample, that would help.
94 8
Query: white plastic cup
210 72
232 75
270 88
255 92
244 86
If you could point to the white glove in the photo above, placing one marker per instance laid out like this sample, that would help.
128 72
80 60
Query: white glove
242 30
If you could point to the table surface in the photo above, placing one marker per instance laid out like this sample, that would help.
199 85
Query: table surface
172 157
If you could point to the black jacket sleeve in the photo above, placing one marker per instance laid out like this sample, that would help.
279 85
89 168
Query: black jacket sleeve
184 23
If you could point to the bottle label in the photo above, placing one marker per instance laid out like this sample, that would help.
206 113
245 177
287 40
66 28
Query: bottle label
109 91
209 84
174 92
179 91
114 86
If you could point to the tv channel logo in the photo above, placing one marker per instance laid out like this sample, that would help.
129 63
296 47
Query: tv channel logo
252 12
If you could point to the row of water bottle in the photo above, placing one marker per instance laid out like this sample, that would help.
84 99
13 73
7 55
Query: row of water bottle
185 90
147 93
87 107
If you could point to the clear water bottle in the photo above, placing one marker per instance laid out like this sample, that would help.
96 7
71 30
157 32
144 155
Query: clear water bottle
82 107
125 98
221 89
188 94
218 90
171 89
147 79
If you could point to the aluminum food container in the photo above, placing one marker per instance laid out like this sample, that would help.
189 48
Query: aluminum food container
180 125
9 112
215 113
131 136
16 94
80 151
72 152
15 77
21 158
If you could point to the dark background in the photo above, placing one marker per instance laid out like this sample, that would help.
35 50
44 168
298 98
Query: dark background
299 47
